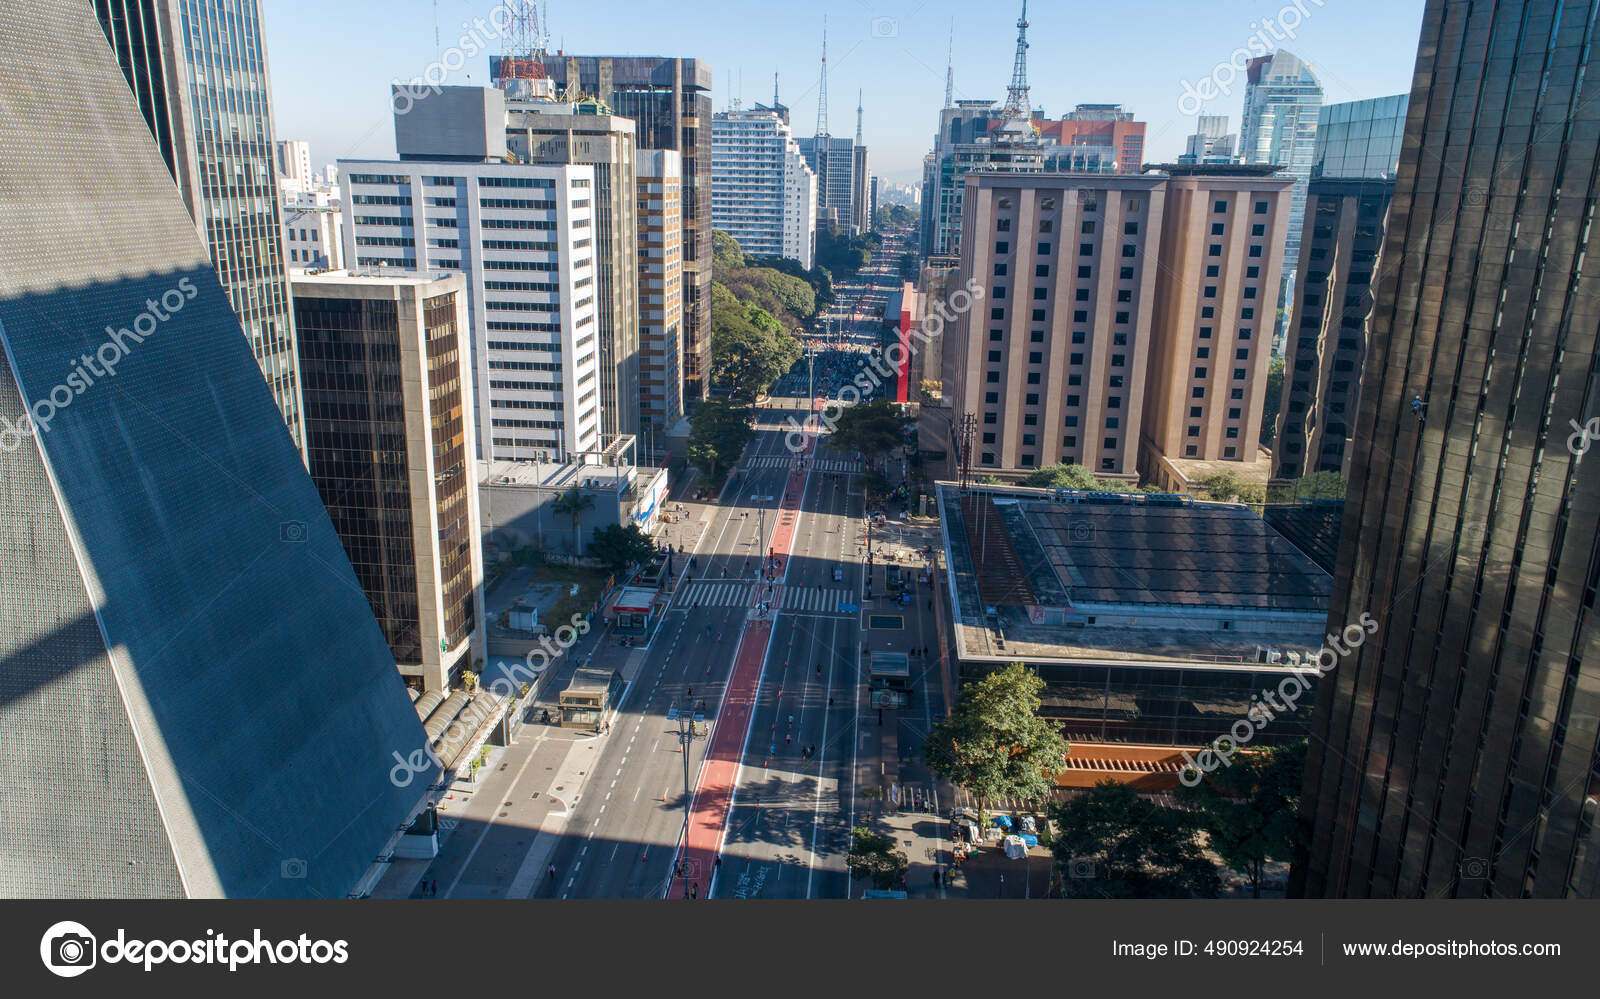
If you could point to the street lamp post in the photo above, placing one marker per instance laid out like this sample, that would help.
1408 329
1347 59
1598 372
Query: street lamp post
687 733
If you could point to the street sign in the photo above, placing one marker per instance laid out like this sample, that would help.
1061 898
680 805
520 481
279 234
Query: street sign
849 608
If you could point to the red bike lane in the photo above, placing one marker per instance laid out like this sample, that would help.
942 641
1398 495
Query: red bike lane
719 774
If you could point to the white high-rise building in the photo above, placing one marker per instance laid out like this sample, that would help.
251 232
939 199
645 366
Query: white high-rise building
523 237
763 193
294 165
1211 143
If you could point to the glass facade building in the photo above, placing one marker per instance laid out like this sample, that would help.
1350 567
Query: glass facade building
198 71
1456 753
1360 138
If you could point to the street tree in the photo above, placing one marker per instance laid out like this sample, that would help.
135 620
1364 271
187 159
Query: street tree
718 433
872 855
1111 842
617 546
872 428
994 744
573 503
1250 810
749 351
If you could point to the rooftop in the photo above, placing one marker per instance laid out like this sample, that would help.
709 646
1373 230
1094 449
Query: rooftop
1135 578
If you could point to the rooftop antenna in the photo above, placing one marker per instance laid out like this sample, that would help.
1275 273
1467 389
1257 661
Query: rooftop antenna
436 29
822 86
1017 105
858 119
774 89
950 68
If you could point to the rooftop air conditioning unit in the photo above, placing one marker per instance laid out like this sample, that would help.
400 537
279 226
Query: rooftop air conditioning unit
1274 655
1294 658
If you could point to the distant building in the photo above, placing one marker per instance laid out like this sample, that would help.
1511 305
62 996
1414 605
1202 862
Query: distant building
669 101
196 701
388 387
294 165
1211 142
1117 141
833 160
313 236
660 194
764 192
173 56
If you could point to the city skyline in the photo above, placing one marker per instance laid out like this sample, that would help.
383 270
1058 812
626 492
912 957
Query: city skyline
896 55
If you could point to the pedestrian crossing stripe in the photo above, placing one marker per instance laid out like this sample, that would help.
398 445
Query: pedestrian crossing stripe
824 465
718 594
809 598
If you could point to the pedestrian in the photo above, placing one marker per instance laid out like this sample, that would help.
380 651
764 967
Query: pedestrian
787 738
694 889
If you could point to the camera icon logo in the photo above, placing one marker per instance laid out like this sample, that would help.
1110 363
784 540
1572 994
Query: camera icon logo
1080 530
292 532
1081 868
885 27
1474 867
68 949
292 869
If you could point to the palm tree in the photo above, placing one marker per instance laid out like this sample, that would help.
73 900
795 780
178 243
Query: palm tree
573 504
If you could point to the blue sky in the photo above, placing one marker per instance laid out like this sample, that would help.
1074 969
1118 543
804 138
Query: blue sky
332 61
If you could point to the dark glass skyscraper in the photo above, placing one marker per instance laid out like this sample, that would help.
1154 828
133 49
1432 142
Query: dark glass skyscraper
1456 751
198 70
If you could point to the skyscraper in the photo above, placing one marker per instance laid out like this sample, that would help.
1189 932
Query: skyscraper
1282 102
388 389
764 193
195 698
1455 750
1211 141
198 71
669 101
660 183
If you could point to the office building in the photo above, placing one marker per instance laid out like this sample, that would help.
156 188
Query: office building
1453 753
669 101
1221 261
313 235
1102 138
1328 329
388 390
1352 180
198 72
1282 103
523 236
1360 138
540 129
1055 353
833 161
294 166
196 700
1211 142
763 193
660 181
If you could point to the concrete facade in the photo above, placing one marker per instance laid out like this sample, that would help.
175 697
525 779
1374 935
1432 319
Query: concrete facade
764 192
660 196
196 700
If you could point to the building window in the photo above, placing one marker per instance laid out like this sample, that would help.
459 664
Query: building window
1220 207
1044 249
1085 249
1216 228
1085 270
1042 270
990 419
1080 295
1002 247
1214 250
994 357
1088 227
1000 270
1003 225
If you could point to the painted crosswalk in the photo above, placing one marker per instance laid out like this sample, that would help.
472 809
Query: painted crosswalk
808 599
835 465
718 594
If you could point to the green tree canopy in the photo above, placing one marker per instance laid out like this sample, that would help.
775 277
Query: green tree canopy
616 545
1112 843
872 855
1225 487
995 745
749 351
718 433
873 428
1250 810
